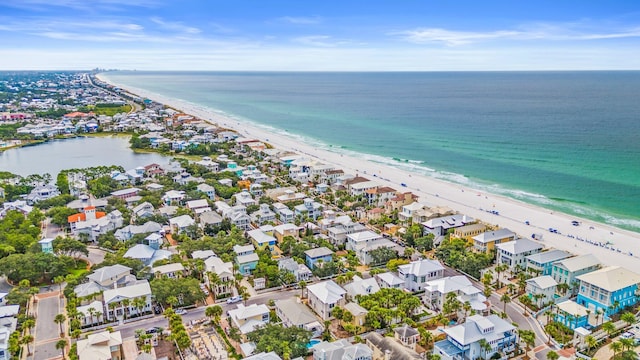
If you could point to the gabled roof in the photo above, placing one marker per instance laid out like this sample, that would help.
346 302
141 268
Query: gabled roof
108 272
355 309
327 291
490 236
421 267
519 246
543 282
318 252
611 278
141 289
140 251
406 331
390 278
164 269
578 263
361 286
548 256
449 284
471 331
202 254
296 313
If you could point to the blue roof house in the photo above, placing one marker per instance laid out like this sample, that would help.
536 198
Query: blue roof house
313 256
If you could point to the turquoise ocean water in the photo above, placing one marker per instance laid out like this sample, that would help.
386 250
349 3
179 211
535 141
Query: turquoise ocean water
568 141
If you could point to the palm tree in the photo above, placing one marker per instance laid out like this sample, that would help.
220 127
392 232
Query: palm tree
500 269
511 288
28 324
591 342
505 298
61 345
609 327
629 318
525 301
60 319
26 340
528 337
563 287
628 344
485 347
616 347
214 312
302 285
59 280
139 303
172 301
125 304
112 306
214 281
599 313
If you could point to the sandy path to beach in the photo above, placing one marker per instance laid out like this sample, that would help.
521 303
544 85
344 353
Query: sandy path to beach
623 244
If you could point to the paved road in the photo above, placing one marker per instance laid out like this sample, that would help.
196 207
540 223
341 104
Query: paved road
46 331
128 330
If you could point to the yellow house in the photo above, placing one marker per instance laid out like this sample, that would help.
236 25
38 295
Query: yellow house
487 241
467 232
280 231
359 313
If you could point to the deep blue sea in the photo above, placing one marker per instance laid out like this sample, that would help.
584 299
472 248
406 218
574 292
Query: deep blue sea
568 141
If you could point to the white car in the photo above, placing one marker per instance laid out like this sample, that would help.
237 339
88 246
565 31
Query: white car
181 311
234 299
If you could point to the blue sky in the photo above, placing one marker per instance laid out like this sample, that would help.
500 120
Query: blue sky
406 35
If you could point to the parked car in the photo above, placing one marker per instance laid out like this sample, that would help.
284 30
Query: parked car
181 311
234 299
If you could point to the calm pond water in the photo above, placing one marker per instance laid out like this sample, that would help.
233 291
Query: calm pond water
75 153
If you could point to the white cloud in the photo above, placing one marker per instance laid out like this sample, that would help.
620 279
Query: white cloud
321 41
175 26
301 20
535 31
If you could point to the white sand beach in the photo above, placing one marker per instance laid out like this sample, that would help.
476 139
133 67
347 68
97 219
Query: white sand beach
587 238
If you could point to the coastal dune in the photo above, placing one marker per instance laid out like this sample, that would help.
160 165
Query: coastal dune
611 245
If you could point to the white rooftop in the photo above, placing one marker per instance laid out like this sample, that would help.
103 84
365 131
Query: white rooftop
611 278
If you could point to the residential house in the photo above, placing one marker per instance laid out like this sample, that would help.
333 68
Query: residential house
405 216
264 356
386 348
244 198
309 208
184 178
103 345
436 212
224 275
417 273
42 192
321 254
147 254
263 215
407 336
261 240
514 253
280 231
249 318
572 314
300 271
105 278
173 197
210 218
360 286
542 262
293 313
246 258
127 232
154 240
341 350
208 190
143 210
324 296
202 254
541 289
180 223
440 225
359 315
94 223
389 280
283 213
566 270
436 291
487 241
464 340
467 232
360 188
397 202
124 194
172 271
198 206
153 170
91 314
608 289
378 196
209 164
124 297
18 205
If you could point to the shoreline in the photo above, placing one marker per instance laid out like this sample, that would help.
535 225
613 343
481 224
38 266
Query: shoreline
434 192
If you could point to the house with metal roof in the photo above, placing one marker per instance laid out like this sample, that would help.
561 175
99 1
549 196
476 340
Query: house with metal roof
572 314
123 298
487 241
609 289
103 345
324 296
542 262
321 254
436 291
566 270
295 314
360 286
389 280
249 318
385 347
514 253
541 289
416 274
463 341
147 254
341 350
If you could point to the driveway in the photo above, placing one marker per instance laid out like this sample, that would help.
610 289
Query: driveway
46 331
